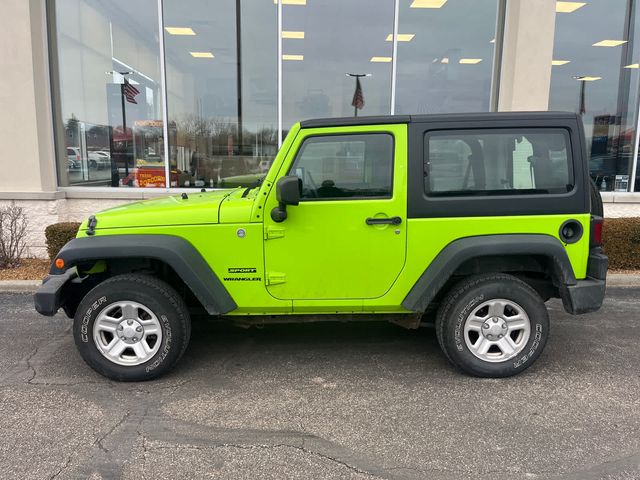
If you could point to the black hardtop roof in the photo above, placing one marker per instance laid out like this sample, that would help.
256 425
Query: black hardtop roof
439 117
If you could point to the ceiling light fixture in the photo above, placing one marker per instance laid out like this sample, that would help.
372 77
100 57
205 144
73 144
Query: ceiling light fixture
469 61
298 58
380 59
179 30
427 3
291 34
291 2
568 7
402 37
202 54
609 43
633 65
559 63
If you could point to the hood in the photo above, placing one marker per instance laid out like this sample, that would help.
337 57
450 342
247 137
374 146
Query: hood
196 208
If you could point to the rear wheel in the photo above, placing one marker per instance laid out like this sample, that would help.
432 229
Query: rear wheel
492 325
132 327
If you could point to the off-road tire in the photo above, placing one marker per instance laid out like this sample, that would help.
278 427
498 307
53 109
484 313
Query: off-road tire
158 297
468 295
596 199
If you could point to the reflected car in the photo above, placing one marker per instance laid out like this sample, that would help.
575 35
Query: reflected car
73 158
99 159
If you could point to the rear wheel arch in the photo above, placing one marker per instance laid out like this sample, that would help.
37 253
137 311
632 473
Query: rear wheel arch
539 260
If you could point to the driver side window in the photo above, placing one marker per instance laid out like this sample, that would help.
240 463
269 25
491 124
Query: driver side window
341 167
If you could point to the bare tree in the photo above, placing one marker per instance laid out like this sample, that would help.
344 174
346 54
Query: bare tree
13 230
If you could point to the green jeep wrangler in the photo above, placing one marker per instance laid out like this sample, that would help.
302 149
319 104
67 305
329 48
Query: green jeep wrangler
476 219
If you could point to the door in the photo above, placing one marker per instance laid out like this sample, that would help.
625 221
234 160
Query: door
346 239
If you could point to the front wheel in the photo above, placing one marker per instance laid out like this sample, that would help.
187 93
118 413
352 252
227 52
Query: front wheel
492 325
132 327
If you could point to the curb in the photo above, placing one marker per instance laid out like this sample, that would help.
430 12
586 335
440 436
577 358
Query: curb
30 286
623 280
19 286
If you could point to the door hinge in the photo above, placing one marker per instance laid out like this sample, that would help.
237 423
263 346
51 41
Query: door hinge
273 232
274 278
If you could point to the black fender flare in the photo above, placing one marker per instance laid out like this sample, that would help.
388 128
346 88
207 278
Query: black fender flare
176 252
459 251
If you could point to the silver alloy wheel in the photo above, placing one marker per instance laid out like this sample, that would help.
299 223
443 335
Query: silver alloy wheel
127 333
497 330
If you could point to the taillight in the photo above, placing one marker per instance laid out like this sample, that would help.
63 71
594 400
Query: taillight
78 157
597 224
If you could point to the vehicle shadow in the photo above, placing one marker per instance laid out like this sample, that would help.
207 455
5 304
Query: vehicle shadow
214 341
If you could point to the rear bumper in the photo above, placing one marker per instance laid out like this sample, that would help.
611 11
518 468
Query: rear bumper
587 295
48 298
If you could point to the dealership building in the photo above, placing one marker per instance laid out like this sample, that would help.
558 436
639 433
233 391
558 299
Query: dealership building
111 101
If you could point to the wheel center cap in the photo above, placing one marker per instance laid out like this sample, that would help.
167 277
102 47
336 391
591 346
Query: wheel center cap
130 331
494 328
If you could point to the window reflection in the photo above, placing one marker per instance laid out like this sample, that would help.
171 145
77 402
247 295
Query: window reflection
445 56
221 67
331 39
591 76
109 80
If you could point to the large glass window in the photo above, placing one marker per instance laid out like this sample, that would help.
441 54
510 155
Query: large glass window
497 162
217 66
324 42
221 67
445 55
595 73
109 84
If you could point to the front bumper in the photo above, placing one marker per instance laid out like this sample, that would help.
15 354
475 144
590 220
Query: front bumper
587 295
48 298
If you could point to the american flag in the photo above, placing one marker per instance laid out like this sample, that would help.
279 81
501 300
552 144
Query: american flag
129 92
358 96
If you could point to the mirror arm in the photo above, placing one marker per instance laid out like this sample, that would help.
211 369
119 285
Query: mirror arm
279 213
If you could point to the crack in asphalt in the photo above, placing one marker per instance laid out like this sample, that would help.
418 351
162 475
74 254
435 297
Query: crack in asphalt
98 441
31 367
262 447
62 469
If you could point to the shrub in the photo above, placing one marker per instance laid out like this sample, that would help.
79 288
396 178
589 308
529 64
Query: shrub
622 243
13 230
58 235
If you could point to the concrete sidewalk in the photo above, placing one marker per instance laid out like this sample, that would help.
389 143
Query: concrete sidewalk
30 286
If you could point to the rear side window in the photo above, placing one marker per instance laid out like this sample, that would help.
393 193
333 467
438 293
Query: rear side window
497 162
340 167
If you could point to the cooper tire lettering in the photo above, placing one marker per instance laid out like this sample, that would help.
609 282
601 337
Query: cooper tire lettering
456 338
160 301
87 316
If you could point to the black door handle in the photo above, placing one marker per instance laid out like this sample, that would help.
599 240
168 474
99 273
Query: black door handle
383 221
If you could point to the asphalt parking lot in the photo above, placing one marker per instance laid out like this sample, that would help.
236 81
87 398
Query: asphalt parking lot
366 400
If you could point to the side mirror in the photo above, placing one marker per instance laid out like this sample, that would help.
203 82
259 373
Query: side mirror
287 193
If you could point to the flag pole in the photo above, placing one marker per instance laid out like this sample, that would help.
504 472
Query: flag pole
357 76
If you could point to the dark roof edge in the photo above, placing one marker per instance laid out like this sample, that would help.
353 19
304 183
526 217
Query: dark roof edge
390 119
349 121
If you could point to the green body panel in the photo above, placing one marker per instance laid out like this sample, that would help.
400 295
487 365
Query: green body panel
198 208
428 237
323 258
325 249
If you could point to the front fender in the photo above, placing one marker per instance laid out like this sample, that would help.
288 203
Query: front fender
176 252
